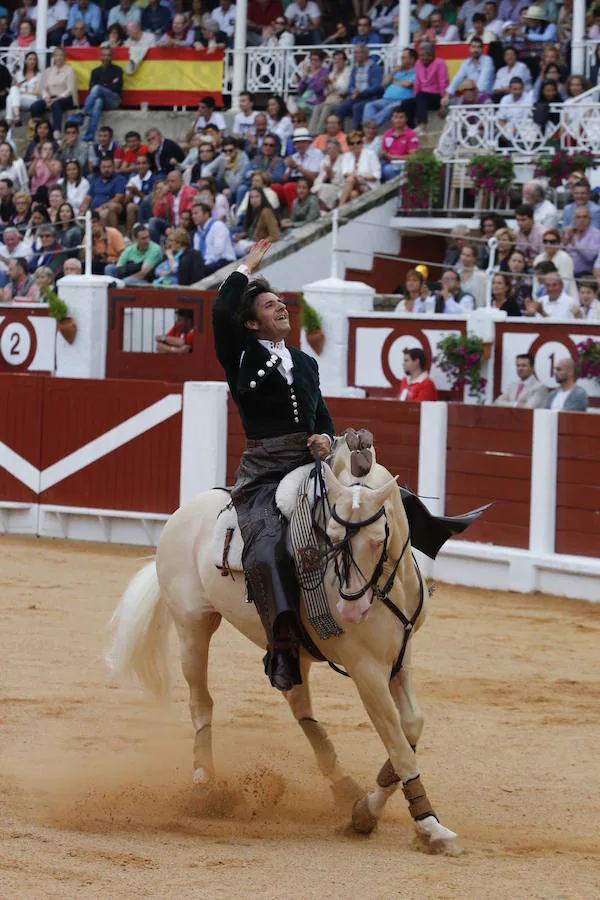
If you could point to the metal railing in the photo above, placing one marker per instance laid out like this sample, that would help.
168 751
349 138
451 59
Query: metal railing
277 70
473 129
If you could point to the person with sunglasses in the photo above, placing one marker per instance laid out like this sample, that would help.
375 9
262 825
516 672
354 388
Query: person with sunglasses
563 263
268 162
278 34
361 169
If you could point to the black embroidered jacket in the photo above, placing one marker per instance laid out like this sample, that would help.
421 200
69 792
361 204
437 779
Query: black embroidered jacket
268 405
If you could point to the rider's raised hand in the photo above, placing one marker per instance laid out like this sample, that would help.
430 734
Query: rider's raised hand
255 256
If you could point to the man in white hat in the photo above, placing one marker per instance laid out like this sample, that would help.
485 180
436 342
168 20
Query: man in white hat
538 27
305 162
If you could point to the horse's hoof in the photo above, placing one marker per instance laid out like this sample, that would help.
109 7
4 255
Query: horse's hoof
203 776
346 792
433 837
363 820
447 847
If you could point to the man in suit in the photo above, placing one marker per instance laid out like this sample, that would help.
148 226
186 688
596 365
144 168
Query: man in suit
164 153
568 396
276 390
527 392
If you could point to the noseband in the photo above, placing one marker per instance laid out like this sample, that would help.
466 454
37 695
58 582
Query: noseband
344 548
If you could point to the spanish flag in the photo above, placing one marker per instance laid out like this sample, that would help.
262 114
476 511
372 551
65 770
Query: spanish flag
166 77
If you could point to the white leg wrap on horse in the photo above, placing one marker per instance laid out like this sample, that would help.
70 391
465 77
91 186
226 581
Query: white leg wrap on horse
433 830
377 800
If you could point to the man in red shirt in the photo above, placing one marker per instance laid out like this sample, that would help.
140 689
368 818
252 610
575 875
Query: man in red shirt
260 14
417 386
180 339
397 143
133 149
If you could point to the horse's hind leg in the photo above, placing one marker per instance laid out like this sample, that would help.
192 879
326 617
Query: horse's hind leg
195 632
345 789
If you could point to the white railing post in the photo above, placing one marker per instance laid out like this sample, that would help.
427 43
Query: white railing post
239 53
41 33
577 38
492 244
203 438
88 243
433 451
544 463
403 25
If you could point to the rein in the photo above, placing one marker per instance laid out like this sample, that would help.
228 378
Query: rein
344 548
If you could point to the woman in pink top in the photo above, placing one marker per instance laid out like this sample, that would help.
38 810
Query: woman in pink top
431 83
44 171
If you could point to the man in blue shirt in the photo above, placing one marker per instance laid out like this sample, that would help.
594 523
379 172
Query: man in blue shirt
581 197
156 18
106 194
478 68
398 87
91 15
364 34
365 85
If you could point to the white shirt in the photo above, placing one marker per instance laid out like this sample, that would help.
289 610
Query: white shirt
21 250
561 308
216 118
57 13
519 70
546 214
76 193
302 18
218 243
512 110
137 182
368 164
559 399
243 124
225 20
285 364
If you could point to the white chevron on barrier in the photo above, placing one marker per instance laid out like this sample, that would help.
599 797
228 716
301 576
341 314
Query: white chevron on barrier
40 480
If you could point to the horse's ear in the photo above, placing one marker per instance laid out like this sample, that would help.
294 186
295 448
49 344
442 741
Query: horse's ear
381 494
334 487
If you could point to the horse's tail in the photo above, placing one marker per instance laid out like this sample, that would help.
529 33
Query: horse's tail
141 624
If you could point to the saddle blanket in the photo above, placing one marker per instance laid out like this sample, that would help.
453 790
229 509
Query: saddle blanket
227 533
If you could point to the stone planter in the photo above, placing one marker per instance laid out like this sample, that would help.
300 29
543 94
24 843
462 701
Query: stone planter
68 328
316 340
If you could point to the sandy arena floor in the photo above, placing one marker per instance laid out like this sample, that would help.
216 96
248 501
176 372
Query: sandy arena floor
96 781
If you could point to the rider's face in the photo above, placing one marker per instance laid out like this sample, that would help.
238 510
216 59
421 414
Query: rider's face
272 319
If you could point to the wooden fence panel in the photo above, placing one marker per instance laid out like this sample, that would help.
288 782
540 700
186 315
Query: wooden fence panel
489 459
97 455
21 404
578 485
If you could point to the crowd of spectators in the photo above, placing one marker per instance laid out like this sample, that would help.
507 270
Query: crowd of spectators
548 266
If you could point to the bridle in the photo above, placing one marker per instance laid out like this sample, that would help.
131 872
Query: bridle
343 549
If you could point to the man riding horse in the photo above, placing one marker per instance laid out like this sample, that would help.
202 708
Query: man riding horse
276 390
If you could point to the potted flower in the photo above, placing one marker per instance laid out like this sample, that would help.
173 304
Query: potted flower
311 323
420 187
587 364
59 310
460 357
492 174
561 165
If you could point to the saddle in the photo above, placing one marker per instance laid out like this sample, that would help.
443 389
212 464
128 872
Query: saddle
227 543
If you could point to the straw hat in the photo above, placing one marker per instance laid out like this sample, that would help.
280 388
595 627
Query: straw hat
536 12
301 134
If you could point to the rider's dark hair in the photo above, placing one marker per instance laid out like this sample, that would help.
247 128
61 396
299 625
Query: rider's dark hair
417 353
247 309
528 356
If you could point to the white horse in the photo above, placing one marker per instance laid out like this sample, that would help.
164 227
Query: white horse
184 585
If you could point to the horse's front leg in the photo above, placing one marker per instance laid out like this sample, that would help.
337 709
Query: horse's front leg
406 701
372 681
345 790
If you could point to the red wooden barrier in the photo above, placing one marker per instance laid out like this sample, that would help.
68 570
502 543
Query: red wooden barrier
21 404
577 488
136 467
489 458
199 365
395 427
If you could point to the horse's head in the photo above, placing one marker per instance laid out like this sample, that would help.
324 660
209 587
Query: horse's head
359 533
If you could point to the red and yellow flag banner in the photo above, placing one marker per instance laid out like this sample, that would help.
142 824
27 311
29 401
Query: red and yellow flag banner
454 55
166 77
